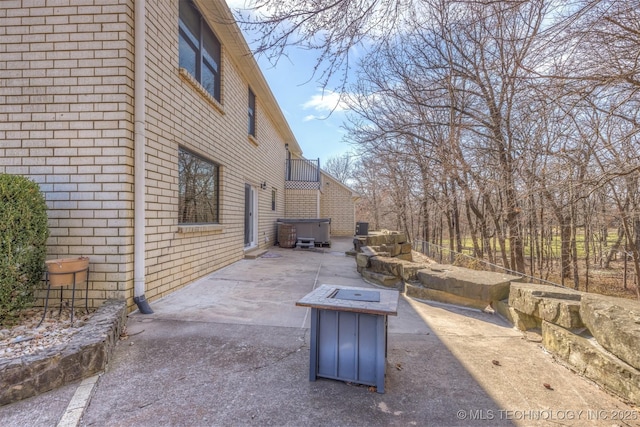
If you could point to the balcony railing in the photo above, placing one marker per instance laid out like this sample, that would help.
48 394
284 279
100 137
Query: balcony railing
303 173
303 170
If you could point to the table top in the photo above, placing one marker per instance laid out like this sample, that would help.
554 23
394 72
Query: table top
359 300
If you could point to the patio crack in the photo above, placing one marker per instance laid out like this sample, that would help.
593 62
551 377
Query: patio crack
279 359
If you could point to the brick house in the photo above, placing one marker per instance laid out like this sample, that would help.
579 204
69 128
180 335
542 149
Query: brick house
161 151
338 202
311 192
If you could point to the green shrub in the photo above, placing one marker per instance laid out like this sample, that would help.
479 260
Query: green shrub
23 238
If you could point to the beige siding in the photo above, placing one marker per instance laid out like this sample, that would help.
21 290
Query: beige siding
302 203
180 113
338 203
67 122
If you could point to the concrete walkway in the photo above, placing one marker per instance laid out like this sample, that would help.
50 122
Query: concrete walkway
233 349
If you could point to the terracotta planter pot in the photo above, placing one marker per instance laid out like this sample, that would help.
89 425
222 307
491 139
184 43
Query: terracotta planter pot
61 271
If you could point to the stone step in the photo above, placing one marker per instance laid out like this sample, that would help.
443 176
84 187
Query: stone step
422 293
383 279
254 253
530 304
481 288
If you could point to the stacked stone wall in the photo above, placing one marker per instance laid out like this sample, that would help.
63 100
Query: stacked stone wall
594 335
87 354
385 258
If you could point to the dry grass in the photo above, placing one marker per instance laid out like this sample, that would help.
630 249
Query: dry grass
601 281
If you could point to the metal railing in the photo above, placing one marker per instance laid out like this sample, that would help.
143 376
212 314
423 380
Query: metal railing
447 256
304 170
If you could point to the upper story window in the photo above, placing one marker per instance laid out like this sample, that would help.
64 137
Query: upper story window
252 113
199 49
198 189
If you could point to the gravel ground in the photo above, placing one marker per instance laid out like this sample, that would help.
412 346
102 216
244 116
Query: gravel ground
25 338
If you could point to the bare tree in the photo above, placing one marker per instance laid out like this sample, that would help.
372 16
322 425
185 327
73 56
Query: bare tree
340 167
333 28
514 123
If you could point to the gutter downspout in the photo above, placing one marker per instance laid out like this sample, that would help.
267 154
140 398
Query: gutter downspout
139 159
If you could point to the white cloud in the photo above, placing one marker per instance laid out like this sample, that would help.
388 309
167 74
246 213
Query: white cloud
325 101
237 4
310 117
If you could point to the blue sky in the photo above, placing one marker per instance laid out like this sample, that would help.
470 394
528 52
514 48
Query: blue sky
307 108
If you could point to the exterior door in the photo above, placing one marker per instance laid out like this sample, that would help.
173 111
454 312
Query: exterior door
249 216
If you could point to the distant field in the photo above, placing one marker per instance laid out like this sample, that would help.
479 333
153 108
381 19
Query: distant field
609 281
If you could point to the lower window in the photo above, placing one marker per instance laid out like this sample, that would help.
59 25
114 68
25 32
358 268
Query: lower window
198 194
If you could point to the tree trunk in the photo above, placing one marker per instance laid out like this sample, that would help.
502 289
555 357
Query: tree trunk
614 249
473 229
456 219
565 247
499 235
574 249
587 249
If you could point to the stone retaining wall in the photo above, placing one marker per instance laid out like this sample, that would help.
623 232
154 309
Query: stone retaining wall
86 354
385 258
596 336
462 286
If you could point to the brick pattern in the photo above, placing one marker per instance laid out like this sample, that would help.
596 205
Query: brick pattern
302 203
67 122
337 202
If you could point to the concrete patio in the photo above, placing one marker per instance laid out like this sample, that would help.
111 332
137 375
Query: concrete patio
233 349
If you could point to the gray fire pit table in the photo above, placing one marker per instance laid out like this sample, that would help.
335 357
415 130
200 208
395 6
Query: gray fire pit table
349 333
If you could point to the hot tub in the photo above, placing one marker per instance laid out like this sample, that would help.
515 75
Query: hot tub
318 229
